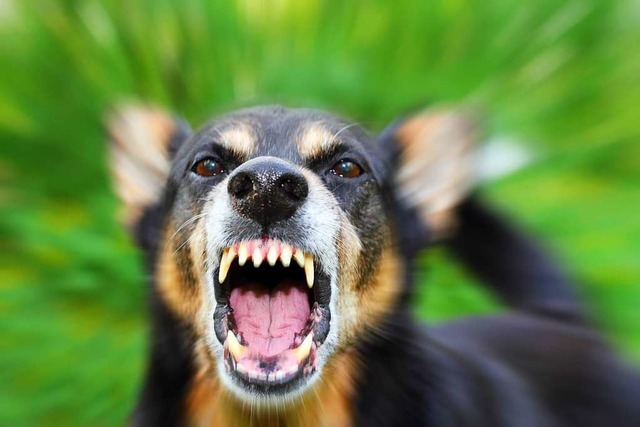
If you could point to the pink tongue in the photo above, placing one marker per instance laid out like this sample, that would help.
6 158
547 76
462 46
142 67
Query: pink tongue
269 319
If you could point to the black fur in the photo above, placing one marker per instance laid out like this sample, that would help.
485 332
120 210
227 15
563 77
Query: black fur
511 264
169 371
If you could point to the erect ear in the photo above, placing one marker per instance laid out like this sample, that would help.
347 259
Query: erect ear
143 140
430 156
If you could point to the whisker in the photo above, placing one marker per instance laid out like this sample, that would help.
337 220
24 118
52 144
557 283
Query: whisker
184 224
344 128
183 244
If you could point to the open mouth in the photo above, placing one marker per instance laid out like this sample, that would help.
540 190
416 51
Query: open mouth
272 313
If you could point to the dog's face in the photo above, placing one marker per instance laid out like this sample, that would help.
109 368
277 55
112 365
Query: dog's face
278 219
279 244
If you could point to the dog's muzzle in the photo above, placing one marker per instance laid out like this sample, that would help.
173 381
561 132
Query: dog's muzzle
273 295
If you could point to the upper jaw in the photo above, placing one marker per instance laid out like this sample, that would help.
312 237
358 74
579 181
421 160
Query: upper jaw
262 252
265 259
269 251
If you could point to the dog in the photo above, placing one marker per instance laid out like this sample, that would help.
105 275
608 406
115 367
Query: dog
281 245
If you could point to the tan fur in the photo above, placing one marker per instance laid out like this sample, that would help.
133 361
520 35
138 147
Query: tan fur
364 307
182 290
437 165
381 295
239 138
314 139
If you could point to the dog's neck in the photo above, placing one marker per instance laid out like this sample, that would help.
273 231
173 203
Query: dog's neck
328 404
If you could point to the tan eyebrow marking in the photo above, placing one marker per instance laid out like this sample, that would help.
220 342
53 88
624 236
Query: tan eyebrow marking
238 138
315 139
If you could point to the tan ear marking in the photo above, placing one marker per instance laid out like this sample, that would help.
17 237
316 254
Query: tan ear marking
140 137
436 169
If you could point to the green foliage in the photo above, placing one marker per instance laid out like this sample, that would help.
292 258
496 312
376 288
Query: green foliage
560 75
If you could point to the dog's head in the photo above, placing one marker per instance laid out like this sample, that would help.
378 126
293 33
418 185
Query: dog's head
283 234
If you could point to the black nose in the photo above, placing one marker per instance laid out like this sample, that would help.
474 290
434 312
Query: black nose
267 190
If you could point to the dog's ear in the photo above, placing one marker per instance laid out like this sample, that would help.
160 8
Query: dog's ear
430 163
143 140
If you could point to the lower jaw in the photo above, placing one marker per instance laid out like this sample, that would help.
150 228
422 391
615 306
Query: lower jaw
266 393
255 368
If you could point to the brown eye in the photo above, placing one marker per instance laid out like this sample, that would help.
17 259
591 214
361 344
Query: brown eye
346 169
208 167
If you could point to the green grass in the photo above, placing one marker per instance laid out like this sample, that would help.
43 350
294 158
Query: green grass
560 76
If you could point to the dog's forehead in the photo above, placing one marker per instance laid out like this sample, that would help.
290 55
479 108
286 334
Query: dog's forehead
292 134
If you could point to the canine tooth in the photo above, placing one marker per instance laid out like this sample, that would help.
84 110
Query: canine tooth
272 256
302 351
285 255
257 257
299 257
243 254
308 269
235 348
225 262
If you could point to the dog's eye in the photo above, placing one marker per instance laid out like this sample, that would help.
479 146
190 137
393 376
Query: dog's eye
346 169
208 167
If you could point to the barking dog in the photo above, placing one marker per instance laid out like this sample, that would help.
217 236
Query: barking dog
281 244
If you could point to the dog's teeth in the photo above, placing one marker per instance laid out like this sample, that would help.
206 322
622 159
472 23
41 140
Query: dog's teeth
243 254
308 270
302 351
272 256
285 255
257 257
299 257
235 348
225 262
279 375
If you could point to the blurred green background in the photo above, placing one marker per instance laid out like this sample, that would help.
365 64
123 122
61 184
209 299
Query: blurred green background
559 78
